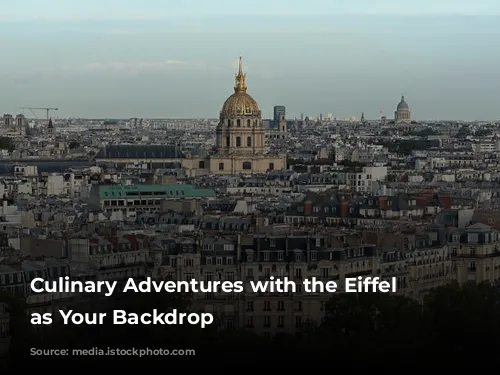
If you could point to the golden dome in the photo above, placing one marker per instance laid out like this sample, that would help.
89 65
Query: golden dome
240 103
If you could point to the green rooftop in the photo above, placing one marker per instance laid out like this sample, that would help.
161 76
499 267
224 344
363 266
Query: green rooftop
153 191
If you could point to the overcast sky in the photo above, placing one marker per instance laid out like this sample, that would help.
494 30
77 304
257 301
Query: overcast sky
160 58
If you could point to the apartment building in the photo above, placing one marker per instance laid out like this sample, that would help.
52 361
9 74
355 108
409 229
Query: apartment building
475 252
4 330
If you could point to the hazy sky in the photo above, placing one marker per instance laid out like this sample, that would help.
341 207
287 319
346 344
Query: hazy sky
161 58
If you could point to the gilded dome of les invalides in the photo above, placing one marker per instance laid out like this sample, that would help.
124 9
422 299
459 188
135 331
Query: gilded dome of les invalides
240 103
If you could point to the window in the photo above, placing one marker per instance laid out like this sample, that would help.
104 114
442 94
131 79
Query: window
267 305
272 242
298 321
281 255
281 306
238 123
229 123
250 306
229 261
238 141
281 321
267 321
218 261
221 166
208 260
472 238
314 256
201 165
248 123
250 322
267 273
228 141
266 256
298 274
324 272
271 166
247 165
249 141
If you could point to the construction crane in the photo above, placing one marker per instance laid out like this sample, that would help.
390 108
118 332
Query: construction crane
40 108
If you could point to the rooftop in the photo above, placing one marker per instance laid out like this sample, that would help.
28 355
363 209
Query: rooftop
158 191
140 152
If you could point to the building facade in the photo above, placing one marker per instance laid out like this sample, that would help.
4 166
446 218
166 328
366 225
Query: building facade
402 116
240 139
240 142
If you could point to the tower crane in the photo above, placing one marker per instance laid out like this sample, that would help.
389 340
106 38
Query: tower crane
48 109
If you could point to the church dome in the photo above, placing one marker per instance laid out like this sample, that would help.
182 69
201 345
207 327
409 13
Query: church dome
402 104
240 103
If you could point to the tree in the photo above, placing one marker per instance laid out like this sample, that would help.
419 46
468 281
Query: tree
463 132
74 144
461 317
7 144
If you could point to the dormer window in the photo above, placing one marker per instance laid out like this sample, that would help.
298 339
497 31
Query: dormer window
327 209
370 202
472 238
300 209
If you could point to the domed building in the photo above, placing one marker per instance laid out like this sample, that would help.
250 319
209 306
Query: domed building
240 143
402 114
240 135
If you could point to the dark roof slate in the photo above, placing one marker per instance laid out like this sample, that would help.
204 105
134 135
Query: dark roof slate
140 152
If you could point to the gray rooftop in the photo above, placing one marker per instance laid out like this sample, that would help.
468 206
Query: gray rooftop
140 152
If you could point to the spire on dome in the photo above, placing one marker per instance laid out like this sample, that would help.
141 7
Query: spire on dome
240 79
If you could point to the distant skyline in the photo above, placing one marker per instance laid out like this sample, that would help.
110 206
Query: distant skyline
166 59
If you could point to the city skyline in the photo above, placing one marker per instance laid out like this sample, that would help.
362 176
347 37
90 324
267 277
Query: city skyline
97 64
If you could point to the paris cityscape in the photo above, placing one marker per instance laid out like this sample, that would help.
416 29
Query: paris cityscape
246 197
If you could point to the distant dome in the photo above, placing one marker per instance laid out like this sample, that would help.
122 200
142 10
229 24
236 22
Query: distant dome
402 104
240 103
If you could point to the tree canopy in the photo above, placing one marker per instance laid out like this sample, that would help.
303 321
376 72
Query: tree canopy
7 144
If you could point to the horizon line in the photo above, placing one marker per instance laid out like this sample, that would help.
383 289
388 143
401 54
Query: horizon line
266 15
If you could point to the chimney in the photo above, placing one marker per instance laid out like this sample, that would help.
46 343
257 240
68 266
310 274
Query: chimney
445 200
307 207
382 203
344 209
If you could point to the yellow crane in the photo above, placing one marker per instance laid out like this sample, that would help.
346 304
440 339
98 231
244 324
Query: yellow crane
47 109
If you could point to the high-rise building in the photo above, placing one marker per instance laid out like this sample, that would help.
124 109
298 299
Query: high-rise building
279 114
